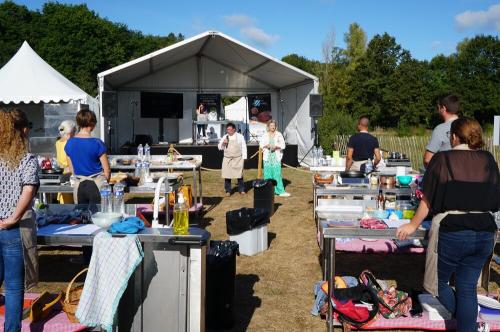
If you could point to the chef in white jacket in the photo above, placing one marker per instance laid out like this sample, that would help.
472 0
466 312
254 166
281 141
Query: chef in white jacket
235 152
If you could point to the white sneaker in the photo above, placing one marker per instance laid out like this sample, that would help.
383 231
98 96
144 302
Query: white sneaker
284 195
483 327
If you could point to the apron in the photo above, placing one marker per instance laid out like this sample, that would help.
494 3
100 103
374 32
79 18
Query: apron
356 165
27 228
232 163
97 178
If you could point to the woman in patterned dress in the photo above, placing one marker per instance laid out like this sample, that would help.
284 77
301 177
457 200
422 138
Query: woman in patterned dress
273 144
18 185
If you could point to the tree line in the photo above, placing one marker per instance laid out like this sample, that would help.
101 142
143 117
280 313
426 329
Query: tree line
74 40
381 79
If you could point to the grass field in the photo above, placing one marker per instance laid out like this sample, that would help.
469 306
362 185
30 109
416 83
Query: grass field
273 288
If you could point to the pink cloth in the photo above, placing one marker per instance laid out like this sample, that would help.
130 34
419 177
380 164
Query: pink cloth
57 322
377 246
420 323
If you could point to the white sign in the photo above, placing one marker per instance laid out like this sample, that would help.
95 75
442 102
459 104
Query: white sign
496 130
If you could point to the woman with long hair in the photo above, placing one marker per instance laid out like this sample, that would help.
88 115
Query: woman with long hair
462 190
273 144
18 185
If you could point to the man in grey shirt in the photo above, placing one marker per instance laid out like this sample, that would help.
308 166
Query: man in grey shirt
447 107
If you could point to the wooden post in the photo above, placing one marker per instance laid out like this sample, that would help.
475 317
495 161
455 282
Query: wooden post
259 165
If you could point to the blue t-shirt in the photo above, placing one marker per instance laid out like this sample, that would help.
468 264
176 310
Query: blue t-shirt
84 154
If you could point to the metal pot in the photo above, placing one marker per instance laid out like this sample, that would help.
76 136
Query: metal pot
352 174
388 180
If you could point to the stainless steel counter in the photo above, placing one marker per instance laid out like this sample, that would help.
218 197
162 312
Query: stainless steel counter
167 290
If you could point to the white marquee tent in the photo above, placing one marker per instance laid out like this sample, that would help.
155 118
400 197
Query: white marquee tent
210 62
27 78
31 84
237 111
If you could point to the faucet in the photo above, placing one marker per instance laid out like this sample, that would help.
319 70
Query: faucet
156 205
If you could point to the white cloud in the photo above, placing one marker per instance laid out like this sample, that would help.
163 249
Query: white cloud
436 44
483 19
239 20
258 36
249 29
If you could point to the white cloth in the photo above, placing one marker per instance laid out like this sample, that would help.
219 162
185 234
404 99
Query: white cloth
279 141
240 139
113 261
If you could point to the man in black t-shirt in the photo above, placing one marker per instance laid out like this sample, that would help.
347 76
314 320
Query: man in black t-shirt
361 147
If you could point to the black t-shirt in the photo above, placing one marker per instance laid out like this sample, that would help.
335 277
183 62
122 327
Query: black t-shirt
363 145
463 180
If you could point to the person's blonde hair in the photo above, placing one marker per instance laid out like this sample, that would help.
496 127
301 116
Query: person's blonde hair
13 143
269 124
67 127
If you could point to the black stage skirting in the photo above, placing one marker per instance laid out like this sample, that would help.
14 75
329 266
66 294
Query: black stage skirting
212 157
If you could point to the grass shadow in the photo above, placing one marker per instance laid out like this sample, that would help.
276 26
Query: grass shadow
270 237
48 263
212 202
245 302
276 206
286 182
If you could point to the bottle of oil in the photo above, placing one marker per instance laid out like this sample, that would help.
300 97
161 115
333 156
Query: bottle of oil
181 216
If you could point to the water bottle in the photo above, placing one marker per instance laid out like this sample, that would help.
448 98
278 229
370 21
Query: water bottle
140 152
368 166
138 166
106 203
320 152
118 199
315 155
147 153
147 174
181 216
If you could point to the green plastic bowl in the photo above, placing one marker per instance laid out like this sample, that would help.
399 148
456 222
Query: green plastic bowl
404 179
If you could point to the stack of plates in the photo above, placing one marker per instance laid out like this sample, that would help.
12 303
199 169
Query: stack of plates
488 302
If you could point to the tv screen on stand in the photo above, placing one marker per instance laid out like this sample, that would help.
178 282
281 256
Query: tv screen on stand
161 105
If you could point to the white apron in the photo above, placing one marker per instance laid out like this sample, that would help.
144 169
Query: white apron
98 179
232 163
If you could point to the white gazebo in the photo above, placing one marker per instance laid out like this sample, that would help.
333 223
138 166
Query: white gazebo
31 84
211 63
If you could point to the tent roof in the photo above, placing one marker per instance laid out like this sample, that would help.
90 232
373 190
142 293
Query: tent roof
219 48
27 78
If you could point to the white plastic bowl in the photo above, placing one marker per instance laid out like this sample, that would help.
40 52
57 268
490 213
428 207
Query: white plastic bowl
106 219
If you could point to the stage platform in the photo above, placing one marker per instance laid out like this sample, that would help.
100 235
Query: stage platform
212 157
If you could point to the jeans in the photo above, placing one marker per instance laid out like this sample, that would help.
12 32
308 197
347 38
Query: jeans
12 277
227 185
464 254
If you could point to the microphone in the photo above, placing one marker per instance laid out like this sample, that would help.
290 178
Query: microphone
227 138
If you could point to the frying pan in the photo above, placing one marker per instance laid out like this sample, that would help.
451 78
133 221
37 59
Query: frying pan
52 171
352 174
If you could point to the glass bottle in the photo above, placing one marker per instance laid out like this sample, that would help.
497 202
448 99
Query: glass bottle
181 216
380 200
147 153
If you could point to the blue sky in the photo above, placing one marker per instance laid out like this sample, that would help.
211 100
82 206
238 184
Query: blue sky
424 27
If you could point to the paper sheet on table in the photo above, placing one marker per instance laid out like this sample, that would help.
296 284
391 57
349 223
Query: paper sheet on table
65 229
396 223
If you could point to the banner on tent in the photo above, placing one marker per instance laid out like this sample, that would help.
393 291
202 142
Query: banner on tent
259 108
212 104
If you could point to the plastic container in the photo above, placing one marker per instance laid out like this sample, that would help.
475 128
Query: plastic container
181 216
106 202
119 199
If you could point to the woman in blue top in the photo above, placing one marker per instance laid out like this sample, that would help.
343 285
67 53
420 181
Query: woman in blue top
88 160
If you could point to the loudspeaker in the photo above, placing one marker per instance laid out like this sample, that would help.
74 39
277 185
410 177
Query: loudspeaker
109 104
315 105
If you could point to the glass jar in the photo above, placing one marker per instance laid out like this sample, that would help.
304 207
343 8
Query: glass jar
390 200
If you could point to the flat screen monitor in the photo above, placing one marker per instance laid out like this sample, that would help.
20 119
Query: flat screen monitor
161 105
